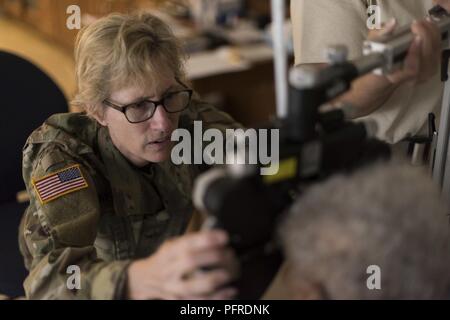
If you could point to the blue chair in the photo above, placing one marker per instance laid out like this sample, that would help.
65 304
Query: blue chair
27 98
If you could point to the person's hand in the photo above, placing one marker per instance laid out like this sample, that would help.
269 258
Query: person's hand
423 59
173 271
443 3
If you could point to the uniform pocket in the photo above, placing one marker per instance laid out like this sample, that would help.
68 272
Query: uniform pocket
152 230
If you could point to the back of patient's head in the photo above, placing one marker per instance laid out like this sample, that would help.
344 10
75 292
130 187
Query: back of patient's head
387 215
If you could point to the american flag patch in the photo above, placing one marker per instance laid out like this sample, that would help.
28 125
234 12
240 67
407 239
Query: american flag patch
59 183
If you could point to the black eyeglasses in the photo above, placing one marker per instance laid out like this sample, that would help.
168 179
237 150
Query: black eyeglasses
136 112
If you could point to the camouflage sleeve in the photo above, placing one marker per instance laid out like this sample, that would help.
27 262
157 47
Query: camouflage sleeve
58 230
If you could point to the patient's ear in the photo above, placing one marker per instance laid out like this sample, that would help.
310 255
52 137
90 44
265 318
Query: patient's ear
306 290
300 287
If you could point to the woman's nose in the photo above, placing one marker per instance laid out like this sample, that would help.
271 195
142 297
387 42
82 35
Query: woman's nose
160 120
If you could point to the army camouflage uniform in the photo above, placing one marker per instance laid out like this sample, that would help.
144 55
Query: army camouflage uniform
123 214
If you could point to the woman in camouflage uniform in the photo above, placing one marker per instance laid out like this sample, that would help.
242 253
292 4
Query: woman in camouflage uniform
105 197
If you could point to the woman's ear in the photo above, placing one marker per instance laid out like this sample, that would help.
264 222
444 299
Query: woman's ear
100 117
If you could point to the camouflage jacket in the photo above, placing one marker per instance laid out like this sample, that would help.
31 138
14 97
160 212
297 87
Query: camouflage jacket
117 213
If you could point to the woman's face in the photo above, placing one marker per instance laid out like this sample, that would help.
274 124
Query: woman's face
148 141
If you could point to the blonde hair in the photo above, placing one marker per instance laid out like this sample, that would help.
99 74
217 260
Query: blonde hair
123 50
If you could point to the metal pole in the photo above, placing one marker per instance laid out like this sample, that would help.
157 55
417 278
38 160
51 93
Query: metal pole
443 133
280 57
441 171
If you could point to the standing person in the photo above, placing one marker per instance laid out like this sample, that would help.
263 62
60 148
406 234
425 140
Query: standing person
399 102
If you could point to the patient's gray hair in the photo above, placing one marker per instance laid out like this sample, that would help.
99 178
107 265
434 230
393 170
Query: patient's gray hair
389 215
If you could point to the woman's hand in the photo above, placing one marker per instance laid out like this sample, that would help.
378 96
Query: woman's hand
173 272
